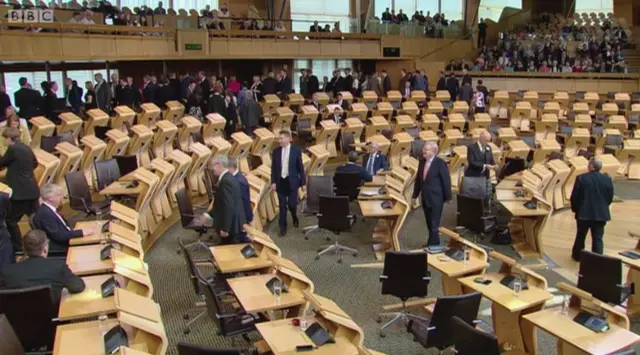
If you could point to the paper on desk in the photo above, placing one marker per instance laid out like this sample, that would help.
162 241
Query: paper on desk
369 193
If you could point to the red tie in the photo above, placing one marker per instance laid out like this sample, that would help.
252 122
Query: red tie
427 165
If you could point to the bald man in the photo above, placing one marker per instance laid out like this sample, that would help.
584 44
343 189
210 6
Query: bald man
481 162
375 162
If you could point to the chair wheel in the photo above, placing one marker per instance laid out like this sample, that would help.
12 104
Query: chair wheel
355 254
186 331
185 316
382 335
339 261
317 257
306 238
178 251
328 239
379 319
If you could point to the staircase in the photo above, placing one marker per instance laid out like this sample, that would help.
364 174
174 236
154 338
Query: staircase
632 56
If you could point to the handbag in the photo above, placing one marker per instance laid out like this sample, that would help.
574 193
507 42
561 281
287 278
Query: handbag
474 186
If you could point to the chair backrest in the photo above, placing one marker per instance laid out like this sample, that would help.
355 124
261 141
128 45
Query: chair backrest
107 171
126 163
600 275
404 273
318 185
211 301
48 143
191 267
414 132
9 342
463 306
192 349
416 148
197 136
30 312
470 213
334 213
614 140
78 189
67 137
529 140
346 142
471 341
347 184
184 206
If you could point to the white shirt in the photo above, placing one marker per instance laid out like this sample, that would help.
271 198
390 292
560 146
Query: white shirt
59 216
285 161
86 21
483 150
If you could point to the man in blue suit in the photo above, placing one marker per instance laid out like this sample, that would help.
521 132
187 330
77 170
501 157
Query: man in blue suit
375 162
590 199
47 218
244 188
434 183
287 175
353 167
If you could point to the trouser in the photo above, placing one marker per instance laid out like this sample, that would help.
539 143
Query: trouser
479 109
597 233
432 214
489 196
18 209
481 40
287 197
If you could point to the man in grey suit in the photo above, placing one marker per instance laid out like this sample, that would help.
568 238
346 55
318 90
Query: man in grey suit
103 93
250 113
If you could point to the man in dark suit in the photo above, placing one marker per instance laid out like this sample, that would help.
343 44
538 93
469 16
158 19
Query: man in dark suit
244 189
590 199
52 223
27 100
386 82
434 183
103 94
20 162
126 95
453 86
285 85
37 270
227 211
481 162
269 85
337 116
352 167
287 175
250 113
348 79
205 86
375 162
315 27
442 82
340 101
314 83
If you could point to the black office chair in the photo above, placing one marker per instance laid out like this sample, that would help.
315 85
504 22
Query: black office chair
67 137
318 185
49 143
187 214
9 342
335 217
230 321
405 275
416 148
187 251
468 340
414 132
193 349
107 172
601 276
438 331
80 195
210 180
347 184
472 216
31 312
346 143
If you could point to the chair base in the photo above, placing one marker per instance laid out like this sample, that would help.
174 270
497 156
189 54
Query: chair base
308 230
337 248
403 315
462 231
187 327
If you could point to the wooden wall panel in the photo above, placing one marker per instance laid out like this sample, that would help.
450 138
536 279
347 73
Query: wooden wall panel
553 85
394 68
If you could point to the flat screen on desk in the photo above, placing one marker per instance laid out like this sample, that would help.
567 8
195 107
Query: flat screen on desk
127 164
101 132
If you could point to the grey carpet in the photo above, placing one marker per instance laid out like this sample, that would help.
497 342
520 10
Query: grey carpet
357 291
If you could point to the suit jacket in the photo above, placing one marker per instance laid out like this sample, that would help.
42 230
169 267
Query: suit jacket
227 211
380 161
453 87
296 169
20 162
250 113
466 93
442 84
217 105
436 188
269 86
57 231
205 86
355 168
28 101
37 271
103 96
477 159
313 85
127 96
591 196
246 196
337 119
386 84
74 97
284 85
466 79
149 93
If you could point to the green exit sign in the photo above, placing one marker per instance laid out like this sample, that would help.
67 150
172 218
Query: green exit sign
193 46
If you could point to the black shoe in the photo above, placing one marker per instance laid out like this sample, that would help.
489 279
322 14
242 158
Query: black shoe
575 258
283 232
296 223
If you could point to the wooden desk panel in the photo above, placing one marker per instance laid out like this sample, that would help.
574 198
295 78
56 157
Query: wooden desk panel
373 208
505 296
453 268
85 260
83 338
88 303
96 238
229 259
254 296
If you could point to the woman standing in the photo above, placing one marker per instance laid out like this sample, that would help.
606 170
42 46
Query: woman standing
231 113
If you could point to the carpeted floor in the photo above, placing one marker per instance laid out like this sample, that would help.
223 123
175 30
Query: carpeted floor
356 290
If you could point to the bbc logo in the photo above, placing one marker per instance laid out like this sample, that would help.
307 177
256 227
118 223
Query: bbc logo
31 16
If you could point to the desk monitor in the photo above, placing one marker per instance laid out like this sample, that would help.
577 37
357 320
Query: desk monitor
319 335
530 141
511 166
601 276
126 164
101 132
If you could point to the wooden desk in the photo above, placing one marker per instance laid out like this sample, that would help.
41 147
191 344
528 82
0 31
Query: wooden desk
85 260
229 259
96 238
507 309
283 337
526 225
88 303
633 276
574 339
122 187
510 195
254 296
83 338
390 221
378 181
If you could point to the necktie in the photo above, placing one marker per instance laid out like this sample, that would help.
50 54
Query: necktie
370 164
427 165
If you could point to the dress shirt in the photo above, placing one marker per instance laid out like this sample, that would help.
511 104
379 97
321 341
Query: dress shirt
57 214
285 161
427 165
